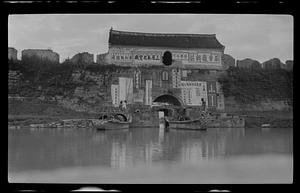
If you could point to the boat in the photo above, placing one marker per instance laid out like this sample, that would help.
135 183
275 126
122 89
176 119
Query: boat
196 124
112 123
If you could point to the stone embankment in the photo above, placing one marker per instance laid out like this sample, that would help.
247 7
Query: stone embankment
67 123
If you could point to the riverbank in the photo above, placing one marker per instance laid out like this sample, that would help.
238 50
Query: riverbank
276 119
25 113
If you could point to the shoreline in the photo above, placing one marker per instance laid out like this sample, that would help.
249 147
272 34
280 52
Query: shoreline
25 113
277 119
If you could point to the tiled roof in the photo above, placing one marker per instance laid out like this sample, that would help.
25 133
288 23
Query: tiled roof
164 40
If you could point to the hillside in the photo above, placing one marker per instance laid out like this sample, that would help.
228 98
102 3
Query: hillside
252 85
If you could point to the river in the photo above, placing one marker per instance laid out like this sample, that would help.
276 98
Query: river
150 155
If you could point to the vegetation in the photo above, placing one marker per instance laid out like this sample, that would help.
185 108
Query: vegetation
105 68
53 78
246 85
251 85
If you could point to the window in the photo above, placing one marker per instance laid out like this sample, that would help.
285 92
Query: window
165 75
217 59
210 57
184 73
204 59
213 101
197 91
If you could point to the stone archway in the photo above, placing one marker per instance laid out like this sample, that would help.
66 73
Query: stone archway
167 98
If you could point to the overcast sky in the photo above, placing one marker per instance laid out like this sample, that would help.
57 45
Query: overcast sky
259 37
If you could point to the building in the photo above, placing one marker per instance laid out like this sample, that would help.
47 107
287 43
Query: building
42 54
289 64
101 58
228 60
197 64
12 54
272 64
188 50
248 63
83 58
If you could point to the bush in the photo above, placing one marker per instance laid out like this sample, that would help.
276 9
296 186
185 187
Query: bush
250 85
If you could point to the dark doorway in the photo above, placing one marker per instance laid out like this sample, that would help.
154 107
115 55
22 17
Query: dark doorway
166 112
168 99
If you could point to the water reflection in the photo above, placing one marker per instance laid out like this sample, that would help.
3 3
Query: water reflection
44 149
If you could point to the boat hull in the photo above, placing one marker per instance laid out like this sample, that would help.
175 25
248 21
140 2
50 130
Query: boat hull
114 125
188 125
111 125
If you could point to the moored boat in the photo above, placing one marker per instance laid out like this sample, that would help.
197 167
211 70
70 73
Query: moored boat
112 124
196 124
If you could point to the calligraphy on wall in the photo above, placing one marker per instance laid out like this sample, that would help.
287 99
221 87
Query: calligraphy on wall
197 57
122 57
152 56
146 57
193 91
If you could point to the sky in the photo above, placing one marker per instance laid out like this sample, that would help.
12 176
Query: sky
260 37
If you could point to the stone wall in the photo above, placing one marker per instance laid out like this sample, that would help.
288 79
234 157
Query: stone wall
14 78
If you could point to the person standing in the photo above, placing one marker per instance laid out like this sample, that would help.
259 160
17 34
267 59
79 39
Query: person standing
121 105
203 104
124 105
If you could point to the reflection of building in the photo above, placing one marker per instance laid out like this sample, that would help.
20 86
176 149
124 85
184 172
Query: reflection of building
149 153
192 153
211 145
12 54
118 155
41 54
197 62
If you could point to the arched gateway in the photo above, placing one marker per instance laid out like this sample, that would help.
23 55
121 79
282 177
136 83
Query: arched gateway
166 98
170 99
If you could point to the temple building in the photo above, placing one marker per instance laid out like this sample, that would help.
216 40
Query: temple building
12 54
83 58
41 54
188 81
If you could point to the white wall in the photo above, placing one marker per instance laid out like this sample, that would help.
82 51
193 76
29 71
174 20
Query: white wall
153 56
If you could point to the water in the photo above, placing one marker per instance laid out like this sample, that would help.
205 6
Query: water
151 155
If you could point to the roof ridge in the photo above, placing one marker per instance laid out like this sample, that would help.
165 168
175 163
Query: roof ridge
161 34
38 49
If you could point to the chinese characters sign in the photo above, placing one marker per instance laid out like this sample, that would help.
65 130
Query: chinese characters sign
154 56
193 91
147 57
